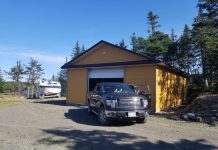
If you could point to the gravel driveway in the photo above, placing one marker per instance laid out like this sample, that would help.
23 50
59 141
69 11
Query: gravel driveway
52 125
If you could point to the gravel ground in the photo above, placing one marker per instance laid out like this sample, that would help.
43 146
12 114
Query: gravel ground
52 125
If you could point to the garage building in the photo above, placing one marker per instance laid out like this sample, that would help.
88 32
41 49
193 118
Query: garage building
105 62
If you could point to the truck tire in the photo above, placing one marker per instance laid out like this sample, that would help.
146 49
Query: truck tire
103 120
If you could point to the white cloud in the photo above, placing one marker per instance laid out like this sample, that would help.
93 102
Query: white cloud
38 55
44 57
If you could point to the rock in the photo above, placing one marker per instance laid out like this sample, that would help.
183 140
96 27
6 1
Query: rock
212 121
191 116
174 117
184 117
198 119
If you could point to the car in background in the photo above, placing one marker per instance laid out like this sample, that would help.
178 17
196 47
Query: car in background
110 101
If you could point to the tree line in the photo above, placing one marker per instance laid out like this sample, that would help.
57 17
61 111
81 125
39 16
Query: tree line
31 72
195 51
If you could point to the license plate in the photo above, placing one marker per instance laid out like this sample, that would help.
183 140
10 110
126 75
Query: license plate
131 114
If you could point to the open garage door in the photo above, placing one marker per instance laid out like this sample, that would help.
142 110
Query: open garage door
105 75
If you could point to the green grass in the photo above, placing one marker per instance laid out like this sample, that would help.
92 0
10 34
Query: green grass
11 99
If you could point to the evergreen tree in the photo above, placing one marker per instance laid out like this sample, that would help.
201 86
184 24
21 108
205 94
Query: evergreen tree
53 78
205 29
76 50
157 45
153 23
34 71
2 82
83 49
122 44
62 78
172 35
171 56
186 59
140 46
133 42
16 74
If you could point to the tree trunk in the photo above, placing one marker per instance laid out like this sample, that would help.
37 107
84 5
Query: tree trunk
32 91
203 61
19 88
28 92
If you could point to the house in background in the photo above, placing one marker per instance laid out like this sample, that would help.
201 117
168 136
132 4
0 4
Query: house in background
105 62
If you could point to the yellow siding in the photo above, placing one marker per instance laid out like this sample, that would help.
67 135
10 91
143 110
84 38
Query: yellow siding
108 54
141 76
77 85
171 89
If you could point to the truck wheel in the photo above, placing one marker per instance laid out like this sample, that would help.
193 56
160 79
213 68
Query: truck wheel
102 117
142 120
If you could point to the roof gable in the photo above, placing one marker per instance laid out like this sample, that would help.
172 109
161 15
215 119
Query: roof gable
141 59
104 52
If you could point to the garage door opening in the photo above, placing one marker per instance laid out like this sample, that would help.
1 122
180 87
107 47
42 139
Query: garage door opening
94 81
105 75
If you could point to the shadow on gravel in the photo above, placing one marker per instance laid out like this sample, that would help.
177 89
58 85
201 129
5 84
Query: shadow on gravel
53 102
107 140
80 115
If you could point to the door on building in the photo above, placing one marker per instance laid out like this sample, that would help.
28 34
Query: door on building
104 75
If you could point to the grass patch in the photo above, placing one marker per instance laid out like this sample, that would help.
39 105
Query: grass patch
11 103
51 141
7 99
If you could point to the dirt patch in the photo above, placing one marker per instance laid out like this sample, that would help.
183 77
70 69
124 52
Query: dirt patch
53 125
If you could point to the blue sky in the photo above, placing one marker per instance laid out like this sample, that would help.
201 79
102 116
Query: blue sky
47 30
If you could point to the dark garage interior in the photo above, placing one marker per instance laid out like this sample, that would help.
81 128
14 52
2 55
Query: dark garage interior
94 81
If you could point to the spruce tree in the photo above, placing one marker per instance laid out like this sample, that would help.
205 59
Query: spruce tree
83 49
76 50
133 42
171 57
53 78
205 29
122 44
173 36
186 59
140 46
62 78
152 22
157 45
